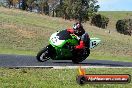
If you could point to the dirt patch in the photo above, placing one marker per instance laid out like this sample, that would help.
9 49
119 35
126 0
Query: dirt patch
26 33
9 26
20 30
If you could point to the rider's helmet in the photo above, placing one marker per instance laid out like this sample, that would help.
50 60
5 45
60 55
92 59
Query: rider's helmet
78 29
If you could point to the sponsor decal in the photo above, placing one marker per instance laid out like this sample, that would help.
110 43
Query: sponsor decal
84 78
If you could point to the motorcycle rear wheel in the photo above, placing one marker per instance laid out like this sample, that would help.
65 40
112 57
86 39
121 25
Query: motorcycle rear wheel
81 57
77 60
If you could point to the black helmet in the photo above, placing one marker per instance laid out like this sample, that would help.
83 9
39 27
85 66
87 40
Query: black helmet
78 29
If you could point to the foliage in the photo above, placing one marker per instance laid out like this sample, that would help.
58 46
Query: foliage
43 5
124 26
40 6
100 21
81 10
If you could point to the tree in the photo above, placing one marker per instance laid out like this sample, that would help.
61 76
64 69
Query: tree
81 10
10 3
30 4
77 9
24 4
44 7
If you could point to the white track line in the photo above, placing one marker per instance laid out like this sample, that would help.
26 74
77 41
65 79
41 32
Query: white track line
65 67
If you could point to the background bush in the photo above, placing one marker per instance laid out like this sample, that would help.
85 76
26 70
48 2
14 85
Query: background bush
124 26
100 21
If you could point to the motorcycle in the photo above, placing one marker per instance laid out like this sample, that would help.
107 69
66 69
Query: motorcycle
59 48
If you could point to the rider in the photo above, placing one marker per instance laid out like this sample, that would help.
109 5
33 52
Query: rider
78 30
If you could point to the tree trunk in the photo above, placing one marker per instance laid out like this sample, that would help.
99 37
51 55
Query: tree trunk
42 9
53 13
19 4
23 4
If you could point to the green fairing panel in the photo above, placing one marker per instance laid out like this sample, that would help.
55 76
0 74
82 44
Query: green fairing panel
73 41
58 44
63 52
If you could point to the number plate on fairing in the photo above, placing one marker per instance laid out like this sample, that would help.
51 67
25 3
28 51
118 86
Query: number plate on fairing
54 39
94 42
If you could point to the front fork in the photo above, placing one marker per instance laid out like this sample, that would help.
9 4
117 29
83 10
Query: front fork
51 51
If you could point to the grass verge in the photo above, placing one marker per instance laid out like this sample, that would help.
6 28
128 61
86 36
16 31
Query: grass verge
17 52
53 78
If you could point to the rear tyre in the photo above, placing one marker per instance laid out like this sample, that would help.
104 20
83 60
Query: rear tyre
81 56
43 55
76 60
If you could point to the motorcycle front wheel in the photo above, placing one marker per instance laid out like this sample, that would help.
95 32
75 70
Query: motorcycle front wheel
43 55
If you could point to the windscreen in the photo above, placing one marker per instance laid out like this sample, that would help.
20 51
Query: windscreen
64 35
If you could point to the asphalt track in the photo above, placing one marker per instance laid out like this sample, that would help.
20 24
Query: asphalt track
30 61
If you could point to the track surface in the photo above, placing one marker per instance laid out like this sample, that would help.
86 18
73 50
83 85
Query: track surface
23 61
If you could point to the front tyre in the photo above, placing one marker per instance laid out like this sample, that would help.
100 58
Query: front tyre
43 55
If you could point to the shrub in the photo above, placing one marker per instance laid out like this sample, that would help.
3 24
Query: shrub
124 26
99 21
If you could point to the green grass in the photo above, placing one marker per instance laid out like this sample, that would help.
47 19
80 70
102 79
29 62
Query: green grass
53 78
117 14
26 33
109 57
18 52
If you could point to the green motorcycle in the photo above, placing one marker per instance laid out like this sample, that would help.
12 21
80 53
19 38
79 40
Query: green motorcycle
59 48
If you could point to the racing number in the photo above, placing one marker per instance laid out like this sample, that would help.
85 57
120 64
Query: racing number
54 39
94 43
